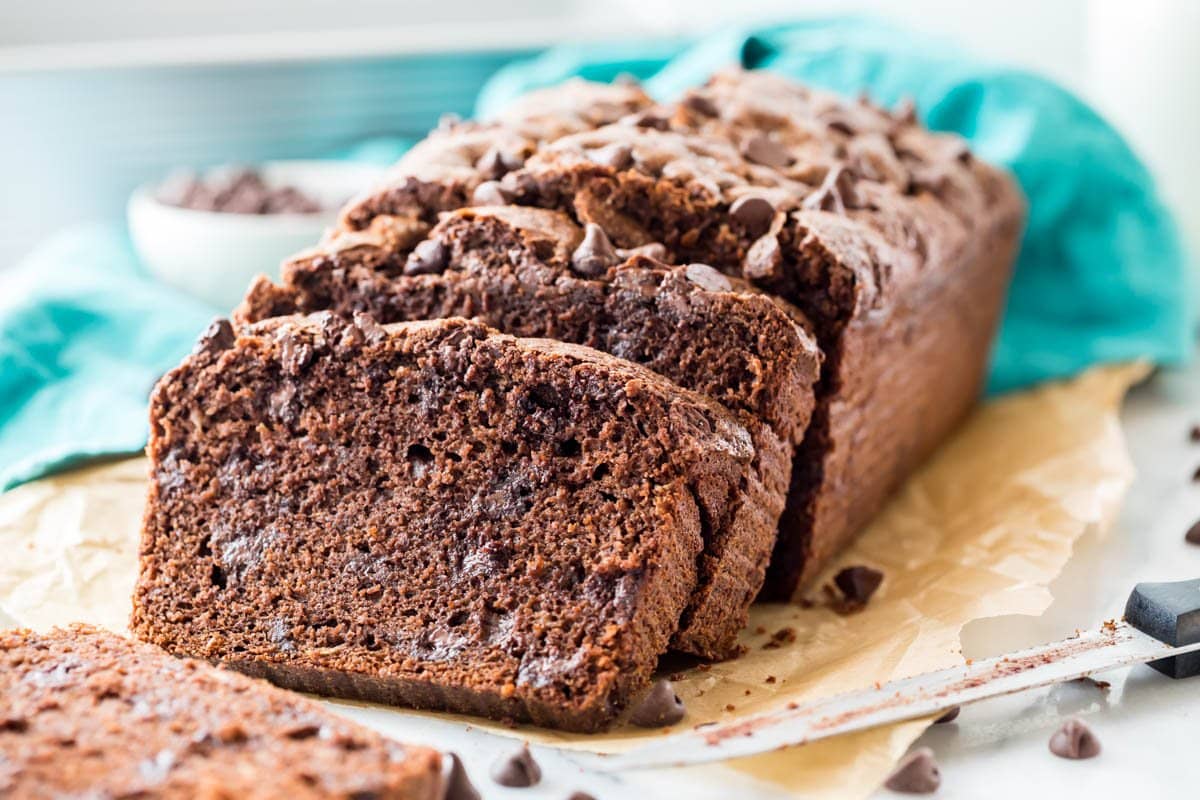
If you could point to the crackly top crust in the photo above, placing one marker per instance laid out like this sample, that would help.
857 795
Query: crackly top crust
440 171
854 186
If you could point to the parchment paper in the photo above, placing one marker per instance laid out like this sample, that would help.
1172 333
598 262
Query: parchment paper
979 532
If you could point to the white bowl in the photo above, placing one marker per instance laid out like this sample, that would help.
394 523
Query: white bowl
214 256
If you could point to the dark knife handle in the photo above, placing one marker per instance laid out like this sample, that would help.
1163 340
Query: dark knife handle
1170 612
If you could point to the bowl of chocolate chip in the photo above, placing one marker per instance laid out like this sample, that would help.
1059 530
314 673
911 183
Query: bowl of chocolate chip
210 233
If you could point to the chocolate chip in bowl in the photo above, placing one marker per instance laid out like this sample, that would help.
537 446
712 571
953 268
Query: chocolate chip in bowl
235 190
209 233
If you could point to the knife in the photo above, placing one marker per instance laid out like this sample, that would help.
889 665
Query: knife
1161 627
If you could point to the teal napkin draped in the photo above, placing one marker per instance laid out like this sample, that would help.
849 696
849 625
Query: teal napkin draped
1102 276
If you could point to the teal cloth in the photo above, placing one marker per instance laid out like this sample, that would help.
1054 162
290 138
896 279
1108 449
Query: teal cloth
83 336
1102 277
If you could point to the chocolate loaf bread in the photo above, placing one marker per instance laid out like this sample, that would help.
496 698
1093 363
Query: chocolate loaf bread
431 514
529 272
87 713
895 242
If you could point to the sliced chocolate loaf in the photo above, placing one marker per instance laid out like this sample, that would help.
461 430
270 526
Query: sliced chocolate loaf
87 713
431 514
894 241
533 272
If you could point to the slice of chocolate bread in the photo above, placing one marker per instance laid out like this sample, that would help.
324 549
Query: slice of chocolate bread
521 270
87 713
431 514
528 272
895 242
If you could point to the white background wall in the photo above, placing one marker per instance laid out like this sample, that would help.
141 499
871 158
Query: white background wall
1137 60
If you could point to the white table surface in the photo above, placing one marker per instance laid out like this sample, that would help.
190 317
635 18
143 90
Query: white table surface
1146 723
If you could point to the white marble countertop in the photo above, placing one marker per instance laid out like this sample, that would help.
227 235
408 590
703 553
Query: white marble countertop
1146 722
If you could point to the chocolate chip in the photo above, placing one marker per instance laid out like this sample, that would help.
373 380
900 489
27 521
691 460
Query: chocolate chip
517 770
1194 434
231 733
234 190
602 112
1196 475
372 331
178 189
836 192
595 253
918 773
957 150
1193 534
905 112
448 121
762 149
659 707
950 715
654 250
290 200
876 159
580 796
217 337
764 260
1074 740
301 730
708 278
647 119
840 123
490 193
858 583
456 785
930 177
754 213
497 163
429 257
615 155
702 105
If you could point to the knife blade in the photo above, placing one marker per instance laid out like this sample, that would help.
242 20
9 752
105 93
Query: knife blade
1161 627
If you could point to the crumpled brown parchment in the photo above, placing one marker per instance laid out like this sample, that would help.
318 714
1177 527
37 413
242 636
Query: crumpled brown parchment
980 531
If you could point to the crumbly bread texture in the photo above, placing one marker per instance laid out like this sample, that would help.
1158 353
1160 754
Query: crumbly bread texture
87 713
518 269
895 242
431 514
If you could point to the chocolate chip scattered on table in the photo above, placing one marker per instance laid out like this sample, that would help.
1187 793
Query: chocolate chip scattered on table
918 773
517 770
1074 740
659 708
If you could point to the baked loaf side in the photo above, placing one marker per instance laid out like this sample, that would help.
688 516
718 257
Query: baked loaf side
901 256
88 713
895 242
430 514
519 269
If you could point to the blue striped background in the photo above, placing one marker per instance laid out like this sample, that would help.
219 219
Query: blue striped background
74 143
